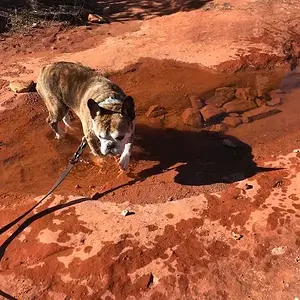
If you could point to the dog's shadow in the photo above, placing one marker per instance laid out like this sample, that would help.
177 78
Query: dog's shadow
204 157
200 157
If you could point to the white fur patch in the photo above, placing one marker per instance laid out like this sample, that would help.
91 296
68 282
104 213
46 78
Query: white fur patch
67 121
125 157
104 144
60 134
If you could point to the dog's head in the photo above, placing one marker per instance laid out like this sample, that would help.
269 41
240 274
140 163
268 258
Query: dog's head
114 128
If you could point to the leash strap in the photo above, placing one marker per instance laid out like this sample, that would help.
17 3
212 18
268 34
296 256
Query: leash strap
61 178
78 152
66 172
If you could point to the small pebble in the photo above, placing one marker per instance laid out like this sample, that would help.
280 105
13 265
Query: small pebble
92 186
77 186
150 281
278 250
296 151
125 212
278 184
237 236
248 186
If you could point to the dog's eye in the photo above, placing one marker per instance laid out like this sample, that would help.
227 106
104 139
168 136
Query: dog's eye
120 138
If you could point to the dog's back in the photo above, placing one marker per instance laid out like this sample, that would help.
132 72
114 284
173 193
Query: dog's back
64 81
64 85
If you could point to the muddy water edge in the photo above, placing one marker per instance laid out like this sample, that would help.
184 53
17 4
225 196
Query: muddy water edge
32 160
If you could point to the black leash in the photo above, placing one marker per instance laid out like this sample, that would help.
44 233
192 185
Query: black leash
66 172
61 178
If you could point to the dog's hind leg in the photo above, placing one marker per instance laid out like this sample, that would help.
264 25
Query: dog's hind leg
53 122
57 111
67 121
56 108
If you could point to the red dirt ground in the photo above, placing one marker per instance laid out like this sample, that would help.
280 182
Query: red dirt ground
197 232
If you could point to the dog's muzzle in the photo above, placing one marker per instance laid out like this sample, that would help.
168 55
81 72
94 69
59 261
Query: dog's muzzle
112 149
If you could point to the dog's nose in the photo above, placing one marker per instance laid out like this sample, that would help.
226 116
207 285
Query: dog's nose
111 146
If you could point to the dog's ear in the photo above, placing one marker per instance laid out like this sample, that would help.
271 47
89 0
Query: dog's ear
95 109
128 108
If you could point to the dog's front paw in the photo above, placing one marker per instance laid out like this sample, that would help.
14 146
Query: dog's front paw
59 136
124 161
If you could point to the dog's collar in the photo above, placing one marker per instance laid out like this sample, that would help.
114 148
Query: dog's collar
109 101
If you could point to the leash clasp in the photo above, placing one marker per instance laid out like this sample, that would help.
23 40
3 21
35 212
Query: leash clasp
78 152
